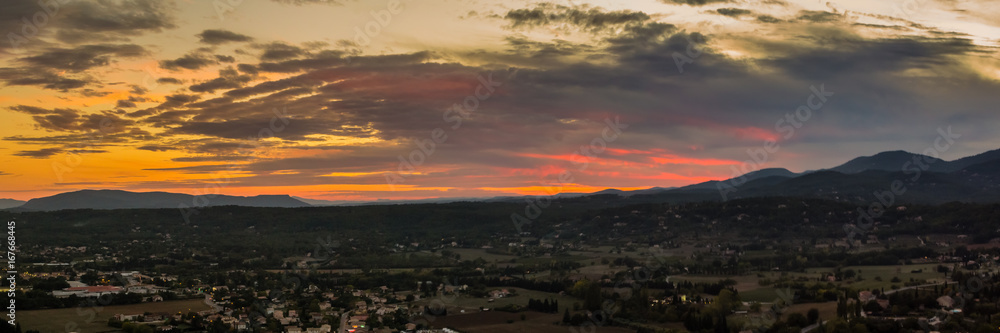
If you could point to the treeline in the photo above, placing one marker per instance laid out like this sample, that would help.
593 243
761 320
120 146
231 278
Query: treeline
543 305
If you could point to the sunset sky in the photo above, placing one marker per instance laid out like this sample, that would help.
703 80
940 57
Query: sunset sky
321 98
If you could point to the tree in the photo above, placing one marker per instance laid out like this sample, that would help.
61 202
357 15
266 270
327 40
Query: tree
796 319
726 301
841 308
813 315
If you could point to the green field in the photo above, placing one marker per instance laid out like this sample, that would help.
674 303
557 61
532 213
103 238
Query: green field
472 254
471 305
886 273
95 319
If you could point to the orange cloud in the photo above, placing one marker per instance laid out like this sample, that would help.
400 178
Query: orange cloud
676 159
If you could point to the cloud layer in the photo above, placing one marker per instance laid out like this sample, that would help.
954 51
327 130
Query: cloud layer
322 120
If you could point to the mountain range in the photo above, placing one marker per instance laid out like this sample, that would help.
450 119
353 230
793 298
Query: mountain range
924 179
115 199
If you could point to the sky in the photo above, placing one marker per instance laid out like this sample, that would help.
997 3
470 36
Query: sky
402 99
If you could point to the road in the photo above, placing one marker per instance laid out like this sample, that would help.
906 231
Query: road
920 286
812 327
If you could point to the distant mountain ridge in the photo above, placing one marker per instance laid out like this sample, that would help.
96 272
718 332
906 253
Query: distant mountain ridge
10 203
890 161
116 199
926 180
972 178
894 160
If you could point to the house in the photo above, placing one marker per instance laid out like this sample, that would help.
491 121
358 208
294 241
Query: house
90 291
499 293
865 296
127 317
945 301
155 317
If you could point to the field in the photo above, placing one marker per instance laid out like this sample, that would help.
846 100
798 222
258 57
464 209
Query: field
473 304
886 273
472 254
827 310
495 321
90 320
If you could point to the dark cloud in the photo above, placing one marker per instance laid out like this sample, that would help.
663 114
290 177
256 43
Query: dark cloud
225 58
768 19
138 90
321 59
71 120
30 109
279 51
157 148
93 93
670 84
311 2
218 36
847 54
126 17
87 151
172 101
593 19
734 12
130 102
168 80
247 68
820 16
11 24
692 2
228 78
83 57
189 61
71 36
41 78
80 22
40 153
125 104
